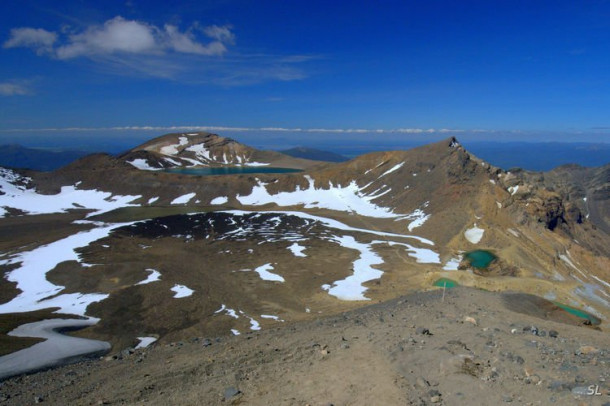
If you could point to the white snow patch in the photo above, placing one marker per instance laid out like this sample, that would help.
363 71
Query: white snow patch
230 312
351 288
200 151
235 332
36 291
421 255
254 325
220 200
184 199
143 165
69 197
474 234
452 264
513 232
263 272
173 149
336 224
154 276
394 168
257 164
513 189
297 250
181 291
347 198
269 316
153 199
499 205
418 218
145 342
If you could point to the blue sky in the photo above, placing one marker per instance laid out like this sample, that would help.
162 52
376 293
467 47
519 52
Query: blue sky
488 70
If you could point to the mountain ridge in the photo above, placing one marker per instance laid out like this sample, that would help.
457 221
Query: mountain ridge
389 222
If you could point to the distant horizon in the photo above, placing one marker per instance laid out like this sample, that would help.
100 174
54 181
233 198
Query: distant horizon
529 153
517 71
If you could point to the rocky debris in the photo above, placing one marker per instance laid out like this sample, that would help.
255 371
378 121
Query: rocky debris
460 364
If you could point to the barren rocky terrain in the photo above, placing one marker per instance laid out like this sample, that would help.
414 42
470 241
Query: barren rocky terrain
469 348
289 288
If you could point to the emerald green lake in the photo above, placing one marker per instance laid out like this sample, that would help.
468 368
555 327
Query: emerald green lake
229 170
480 258
445 282
580 313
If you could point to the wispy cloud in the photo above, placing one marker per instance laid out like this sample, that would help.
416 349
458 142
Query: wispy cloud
16 88
39 40
197 55
254 129
121 36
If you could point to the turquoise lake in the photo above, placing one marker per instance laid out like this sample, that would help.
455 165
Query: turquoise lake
229 170
480 258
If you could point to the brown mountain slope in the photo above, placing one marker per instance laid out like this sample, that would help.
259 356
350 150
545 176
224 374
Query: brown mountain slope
408 215
205 149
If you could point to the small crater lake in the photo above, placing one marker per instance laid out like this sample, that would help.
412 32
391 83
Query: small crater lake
480 259
229 170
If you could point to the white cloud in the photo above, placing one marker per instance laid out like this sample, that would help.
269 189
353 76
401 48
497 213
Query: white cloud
119 36
116 35
253 129
187 43
222 34
121 46
15 88
41 41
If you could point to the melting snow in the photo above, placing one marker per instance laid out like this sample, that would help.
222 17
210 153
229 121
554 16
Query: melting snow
184 199
230 312
69 197
297 250
173 149
154 276
513 189
474 234
269 316
235 332
36 291
181 291
394 168
263 272
422 255
346 198
142 164
145 342
452 264
351 287
418 218
337 225
220 200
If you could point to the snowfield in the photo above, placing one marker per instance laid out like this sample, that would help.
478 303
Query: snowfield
297 250
474 234
154 276
184 199
348 198
181 291
263 272
31 202
351 288
219 200
36 291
